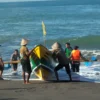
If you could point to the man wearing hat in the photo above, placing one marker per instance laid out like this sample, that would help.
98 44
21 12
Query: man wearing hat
24 54
62 59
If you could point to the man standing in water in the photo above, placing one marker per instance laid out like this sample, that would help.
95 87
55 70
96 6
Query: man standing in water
76 57
26 67
68 51
15 57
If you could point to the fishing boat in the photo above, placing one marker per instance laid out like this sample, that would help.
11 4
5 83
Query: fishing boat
42 62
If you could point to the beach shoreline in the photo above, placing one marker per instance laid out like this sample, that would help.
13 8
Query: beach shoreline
43 90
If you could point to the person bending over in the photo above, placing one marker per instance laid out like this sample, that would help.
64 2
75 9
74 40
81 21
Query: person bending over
59 53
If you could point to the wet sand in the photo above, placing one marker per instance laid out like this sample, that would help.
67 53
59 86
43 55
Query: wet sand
38 90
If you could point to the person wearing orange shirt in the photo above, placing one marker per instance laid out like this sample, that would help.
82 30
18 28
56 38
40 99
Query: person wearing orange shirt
76 56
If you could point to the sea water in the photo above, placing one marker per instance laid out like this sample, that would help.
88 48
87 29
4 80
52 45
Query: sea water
76 22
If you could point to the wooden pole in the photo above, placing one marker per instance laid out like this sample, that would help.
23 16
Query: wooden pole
11 62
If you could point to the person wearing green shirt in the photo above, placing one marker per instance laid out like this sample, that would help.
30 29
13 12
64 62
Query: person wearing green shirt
68 51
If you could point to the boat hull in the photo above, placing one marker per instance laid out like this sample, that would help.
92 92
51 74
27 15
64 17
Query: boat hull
42 62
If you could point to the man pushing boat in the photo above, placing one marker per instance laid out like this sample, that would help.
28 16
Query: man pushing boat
59 53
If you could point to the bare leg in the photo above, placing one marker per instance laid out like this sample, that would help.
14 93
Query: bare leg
28 77
23 74
0 73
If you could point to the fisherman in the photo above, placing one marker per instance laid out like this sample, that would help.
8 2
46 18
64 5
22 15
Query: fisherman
26 67
76 56
15 57
68 51
1 67
59 53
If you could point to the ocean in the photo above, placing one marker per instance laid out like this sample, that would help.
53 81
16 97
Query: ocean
76 23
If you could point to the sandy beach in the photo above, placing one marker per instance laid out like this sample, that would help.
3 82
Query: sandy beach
38 90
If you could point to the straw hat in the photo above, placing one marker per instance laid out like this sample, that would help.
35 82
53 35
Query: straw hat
56 46
24 42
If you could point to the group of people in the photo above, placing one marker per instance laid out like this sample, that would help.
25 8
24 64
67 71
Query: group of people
24 59
65 58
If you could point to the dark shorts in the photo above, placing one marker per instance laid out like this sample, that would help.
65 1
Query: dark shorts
75 66
1 68
26 67
15 66
67 68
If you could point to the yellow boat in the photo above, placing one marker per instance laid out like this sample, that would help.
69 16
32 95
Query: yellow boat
42 62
